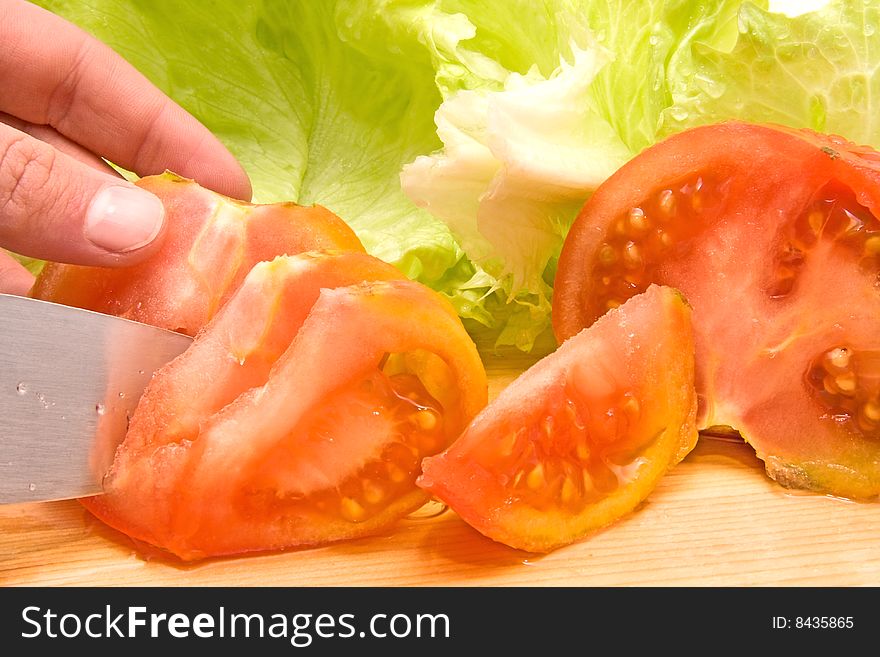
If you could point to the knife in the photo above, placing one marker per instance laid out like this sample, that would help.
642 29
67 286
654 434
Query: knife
69 381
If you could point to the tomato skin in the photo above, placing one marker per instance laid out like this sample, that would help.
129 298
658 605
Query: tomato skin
210 244
202 471
613 406
770 232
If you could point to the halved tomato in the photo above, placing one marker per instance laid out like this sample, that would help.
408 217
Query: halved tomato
583 436
210 245
299 415
772 235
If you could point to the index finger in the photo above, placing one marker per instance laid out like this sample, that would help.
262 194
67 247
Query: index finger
56 74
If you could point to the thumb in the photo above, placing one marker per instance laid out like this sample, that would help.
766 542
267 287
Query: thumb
54 207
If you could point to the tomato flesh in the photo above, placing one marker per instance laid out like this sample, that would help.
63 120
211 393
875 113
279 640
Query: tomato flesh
360 448
210 244
299 414
315 385
772 235
583 436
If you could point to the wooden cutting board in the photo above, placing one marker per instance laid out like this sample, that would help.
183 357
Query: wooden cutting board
715 520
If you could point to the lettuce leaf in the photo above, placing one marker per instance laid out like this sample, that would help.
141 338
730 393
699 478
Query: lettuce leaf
459 138
818 70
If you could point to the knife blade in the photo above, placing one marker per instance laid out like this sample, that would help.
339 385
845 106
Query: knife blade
69 381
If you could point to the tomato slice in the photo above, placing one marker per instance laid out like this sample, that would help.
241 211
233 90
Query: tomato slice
211 243
583 436
773 236
299 415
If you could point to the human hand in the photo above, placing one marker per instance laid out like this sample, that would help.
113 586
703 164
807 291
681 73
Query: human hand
67 102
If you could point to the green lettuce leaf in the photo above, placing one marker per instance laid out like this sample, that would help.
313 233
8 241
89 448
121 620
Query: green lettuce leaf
312 118
819 70
33 265
459 138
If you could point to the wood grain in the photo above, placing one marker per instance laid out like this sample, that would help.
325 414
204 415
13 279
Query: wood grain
715 520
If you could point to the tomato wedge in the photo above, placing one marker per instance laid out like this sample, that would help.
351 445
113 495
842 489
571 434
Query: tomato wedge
773 236
299 415
583 436
210 245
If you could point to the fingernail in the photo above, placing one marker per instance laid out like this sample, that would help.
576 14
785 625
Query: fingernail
122 218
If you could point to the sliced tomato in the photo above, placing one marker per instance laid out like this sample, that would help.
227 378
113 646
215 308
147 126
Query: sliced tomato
299 415
211 243
582 437
772 235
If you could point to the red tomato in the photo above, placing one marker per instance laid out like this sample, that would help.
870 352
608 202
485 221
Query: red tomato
583 436
772 235
299 415
211 243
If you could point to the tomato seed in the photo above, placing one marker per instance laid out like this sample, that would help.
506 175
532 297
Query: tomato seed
694 192
426 419
535 479
507 444
632 255
638 222
816 221
631 407
829 386
351 510
397 474
374 492
871 410
666 204
664 238
867 424
587 480
838 359
846 383
568 492
607 255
